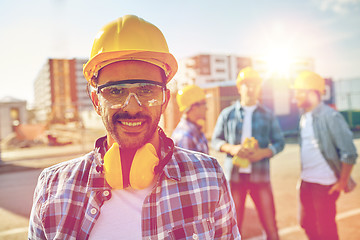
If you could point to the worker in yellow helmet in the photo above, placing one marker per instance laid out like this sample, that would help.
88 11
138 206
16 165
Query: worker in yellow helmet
188 133
135 184
250 135
328 155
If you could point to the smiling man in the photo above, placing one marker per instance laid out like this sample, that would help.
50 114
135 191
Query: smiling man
135 184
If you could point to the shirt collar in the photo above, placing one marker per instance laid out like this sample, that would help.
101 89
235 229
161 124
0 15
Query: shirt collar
239 107
317 110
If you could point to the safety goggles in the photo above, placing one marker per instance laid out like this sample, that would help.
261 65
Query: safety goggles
146 92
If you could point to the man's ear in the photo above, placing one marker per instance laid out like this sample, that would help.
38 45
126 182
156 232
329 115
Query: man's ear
95 102
167 99
238 86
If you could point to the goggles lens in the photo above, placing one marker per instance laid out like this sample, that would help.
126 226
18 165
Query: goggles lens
146 92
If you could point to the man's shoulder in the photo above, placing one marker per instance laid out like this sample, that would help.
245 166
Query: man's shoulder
182 127
69 168
264 109
197 160
228 110
326 111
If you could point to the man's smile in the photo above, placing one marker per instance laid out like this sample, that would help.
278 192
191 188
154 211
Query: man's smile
131 124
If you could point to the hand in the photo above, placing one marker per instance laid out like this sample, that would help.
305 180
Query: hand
338 187
256 155
245 152
235 149
259 154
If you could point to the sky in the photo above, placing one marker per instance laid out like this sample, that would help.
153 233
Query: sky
328 31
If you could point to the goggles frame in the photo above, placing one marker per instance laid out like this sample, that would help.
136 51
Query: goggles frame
131 81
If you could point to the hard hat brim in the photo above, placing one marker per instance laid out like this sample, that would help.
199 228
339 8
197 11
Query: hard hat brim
165 61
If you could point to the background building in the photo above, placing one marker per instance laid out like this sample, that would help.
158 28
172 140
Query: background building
348 100
60 91
12 114
210 70
348 94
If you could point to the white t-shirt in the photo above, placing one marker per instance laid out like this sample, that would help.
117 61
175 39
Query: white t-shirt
120 216
247 130
315 169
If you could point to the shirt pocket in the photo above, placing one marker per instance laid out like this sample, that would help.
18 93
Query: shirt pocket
201 229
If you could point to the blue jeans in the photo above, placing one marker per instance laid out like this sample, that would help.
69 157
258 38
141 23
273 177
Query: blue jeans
261 194
318 211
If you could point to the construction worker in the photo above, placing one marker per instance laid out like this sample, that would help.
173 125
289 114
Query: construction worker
135 184
250 135
188 134
328 155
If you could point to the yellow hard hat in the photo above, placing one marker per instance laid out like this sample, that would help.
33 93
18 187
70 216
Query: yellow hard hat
130 38
308 80
188 96
248 74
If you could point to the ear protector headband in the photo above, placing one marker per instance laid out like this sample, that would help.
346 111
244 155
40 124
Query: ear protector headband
145 165
142 171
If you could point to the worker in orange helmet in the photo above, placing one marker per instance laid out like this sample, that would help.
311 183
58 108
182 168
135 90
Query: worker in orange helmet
188 133
135 184
328 155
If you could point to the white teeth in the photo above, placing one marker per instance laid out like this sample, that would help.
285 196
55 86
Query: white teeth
132 124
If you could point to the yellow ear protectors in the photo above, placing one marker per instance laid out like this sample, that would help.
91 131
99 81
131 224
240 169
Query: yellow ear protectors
142 171
112 167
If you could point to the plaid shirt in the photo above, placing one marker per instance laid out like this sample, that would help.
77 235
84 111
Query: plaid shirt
265 129
189 136
191 199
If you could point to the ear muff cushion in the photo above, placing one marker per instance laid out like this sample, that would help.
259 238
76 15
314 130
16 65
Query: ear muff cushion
142 168
112 167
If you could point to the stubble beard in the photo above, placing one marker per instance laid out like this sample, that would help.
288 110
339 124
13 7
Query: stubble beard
305 104
132 142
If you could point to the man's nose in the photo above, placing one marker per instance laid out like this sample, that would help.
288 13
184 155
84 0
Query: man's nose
132 104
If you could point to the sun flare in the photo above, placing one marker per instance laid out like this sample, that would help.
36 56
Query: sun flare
279 61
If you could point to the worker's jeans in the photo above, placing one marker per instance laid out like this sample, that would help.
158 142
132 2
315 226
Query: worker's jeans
261 194
318 211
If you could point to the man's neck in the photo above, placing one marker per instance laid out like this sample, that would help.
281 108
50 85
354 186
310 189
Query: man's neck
247 104
193 120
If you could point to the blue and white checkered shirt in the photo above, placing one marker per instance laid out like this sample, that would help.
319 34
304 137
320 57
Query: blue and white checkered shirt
190 199
265 129
189 136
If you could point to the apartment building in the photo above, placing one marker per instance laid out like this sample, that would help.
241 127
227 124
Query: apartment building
60 91
210 70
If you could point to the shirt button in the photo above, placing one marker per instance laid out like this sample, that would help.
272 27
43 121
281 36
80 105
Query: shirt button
195 236
93 211
106 193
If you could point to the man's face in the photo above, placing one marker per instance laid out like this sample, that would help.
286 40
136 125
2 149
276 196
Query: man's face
132 125
249 92
199 109
302 98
